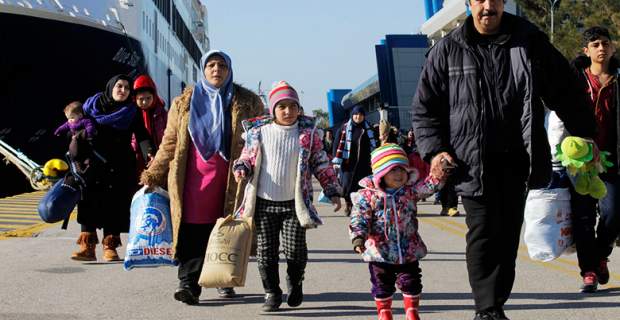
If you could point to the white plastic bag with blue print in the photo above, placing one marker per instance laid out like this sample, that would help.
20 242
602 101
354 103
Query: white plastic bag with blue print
150 231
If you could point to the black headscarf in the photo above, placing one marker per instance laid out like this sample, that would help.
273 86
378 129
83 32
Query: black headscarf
106 111
106 102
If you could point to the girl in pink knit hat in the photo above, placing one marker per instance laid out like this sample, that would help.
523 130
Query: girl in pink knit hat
281 153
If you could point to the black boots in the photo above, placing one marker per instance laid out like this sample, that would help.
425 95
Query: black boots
294 282
272 302
271 283
187 295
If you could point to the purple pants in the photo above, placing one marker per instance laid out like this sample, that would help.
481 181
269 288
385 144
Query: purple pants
383 276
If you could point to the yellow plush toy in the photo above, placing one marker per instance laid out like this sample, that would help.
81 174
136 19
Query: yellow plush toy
581 160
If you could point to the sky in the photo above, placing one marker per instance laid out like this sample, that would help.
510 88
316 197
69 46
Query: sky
315 45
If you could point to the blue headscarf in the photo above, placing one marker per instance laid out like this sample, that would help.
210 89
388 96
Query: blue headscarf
209 112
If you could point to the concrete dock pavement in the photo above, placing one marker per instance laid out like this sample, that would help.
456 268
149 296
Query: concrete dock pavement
39 281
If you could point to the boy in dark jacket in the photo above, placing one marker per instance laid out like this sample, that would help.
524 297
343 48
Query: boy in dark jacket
598 72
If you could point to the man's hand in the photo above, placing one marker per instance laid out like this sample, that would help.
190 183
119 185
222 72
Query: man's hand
336 202
360 249
239 175
437 168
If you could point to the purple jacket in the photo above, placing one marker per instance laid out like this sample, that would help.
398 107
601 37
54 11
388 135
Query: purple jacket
83 123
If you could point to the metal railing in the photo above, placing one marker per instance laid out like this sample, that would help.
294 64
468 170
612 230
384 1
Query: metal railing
32 170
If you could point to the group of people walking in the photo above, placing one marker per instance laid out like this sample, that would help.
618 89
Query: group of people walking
478 127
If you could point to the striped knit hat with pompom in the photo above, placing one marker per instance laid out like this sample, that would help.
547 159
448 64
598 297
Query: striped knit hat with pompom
386 157
280 91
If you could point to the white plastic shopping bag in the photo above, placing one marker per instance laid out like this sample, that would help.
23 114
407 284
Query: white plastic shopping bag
548 226
150 230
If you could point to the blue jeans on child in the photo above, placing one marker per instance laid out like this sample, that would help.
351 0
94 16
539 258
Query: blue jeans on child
383 276
608 228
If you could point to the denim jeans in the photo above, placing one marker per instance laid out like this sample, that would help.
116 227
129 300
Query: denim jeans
595 242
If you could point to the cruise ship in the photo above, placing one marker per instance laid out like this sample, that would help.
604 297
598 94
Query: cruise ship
58 51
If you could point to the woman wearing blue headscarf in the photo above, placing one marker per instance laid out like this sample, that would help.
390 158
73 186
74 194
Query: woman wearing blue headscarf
193 161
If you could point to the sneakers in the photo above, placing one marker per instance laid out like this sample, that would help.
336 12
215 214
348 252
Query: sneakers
453 212
603 272
186 296
590 282
272 302
443 212
226 293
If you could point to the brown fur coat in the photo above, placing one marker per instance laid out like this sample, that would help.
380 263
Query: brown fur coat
168 167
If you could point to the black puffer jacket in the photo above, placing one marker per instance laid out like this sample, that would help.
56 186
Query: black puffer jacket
450 108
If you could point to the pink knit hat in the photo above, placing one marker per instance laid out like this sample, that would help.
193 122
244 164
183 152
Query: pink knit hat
280 91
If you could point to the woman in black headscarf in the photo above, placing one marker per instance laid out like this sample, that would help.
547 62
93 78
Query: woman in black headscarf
111 179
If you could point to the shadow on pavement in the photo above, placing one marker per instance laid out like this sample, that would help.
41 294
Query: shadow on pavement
239 299
441 252
573 301
326 251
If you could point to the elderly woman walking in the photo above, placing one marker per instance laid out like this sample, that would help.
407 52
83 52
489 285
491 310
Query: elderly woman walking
202 135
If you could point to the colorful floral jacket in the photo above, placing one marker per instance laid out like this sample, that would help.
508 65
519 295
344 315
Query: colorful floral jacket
312 160
388 222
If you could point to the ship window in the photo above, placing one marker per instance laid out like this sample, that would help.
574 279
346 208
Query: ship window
143 21
184 35
164 8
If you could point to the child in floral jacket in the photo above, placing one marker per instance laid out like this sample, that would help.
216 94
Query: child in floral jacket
280 155
384 228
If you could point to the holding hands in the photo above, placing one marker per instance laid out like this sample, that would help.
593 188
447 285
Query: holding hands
358 245
442 165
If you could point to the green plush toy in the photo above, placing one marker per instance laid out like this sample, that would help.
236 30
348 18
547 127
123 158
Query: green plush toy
578 156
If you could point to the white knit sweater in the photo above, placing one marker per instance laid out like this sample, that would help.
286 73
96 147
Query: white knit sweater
278 168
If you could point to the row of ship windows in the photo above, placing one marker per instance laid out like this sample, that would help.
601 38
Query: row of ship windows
148 26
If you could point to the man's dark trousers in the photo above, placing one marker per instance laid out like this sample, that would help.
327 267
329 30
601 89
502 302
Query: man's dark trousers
494 221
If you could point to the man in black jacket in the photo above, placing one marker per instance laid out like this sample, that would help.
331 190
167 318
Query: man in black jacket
480 106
